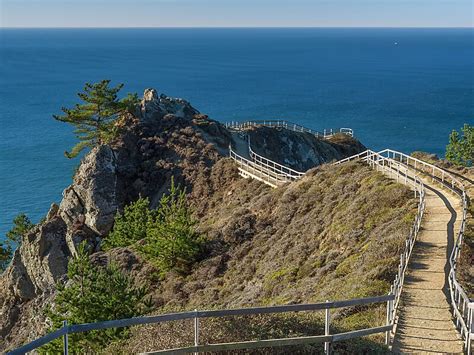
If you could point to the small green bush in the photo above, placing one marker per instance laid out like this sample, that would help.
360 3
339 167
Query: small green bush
460 149
94 294
165 236
171 240
131 225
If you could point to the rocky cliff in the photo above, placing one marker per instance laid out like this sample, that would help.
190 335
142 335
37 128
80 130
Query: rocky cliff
166 138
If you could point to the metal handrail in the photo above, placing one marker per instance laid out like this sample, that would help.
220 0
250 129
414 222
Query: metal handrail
462 306
274 166
195 315
393 167
326 133
259 172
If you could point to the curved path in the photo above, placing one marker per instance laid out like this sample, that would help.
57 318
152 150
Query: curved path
425 323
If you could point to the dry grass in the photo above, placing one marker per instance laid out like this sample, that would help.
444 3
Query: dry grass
336 234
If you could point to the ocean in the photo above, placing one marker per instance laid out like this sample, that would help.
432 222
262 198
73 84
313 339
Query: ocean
400 88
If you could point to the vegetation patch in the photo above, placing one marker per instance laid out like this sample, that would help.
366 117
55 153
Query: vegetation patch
165 236
21 226
93 294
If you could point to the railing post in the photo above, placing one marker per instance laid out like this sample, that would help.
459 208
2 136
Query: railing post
196 329
327 320
470 327
65 339
389 318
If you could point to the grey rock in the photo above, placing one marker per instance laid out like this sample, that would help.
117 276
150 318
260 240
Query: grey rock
91 199
154 106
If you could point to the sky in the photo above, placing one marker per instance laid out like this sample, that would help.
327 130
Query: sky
236 13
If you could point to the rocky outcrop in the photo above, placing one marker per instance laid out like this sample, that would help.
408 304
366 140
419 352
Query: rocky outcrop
89 205
301 151
154 106
166 138
39 263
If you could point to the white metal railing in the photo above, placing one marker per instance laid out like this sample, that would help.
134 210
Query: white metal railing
326 133
264 169
199 346
407 176
462 306
248 168
274 166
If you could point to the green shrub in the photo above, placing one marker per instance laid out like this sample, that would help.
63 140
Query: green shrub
171 240
131 225
460 149
94 294
165 236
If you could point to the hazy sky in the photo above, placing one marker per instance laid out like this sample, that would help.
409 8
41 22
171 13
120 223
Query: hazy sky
234 13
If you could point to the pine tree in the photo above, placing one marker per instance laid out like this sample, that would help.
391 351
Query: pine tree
94 294
21 225
165 236
460 149
172 242
131 225
96 121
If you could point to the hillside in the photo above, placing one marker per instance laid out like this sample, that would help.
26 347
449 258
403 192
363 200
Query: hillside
316 239
336 234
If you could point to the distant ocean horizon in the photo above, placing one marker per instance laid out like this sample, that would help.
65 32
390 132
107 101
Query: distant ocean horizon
403 88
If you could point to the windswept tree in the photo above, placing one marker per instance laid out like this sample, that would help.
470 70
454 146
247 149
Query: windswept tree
97 119
460 149
21 225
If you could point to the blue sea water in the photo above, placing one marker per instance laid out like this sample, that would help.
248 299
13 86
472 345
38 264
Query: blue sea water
399 88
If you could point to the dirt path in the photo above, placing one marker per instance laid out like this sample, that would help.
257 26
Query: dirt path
425 324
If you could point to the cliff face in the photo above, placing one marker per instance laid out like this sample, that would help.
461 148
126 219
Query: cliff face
166 138
301 151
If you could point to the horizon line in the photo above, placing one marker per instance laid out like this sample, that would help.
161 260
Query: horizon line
236 27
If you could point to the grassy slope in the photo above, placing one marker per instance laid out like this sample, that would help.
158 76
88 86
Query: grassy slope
336 234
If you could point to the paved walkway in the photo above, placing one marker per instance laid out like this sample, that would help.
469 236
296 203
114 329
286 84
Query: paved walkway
425 324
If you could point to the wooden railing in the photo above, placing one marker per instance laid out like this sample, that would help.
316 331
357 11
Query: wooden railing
196 315
326 133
